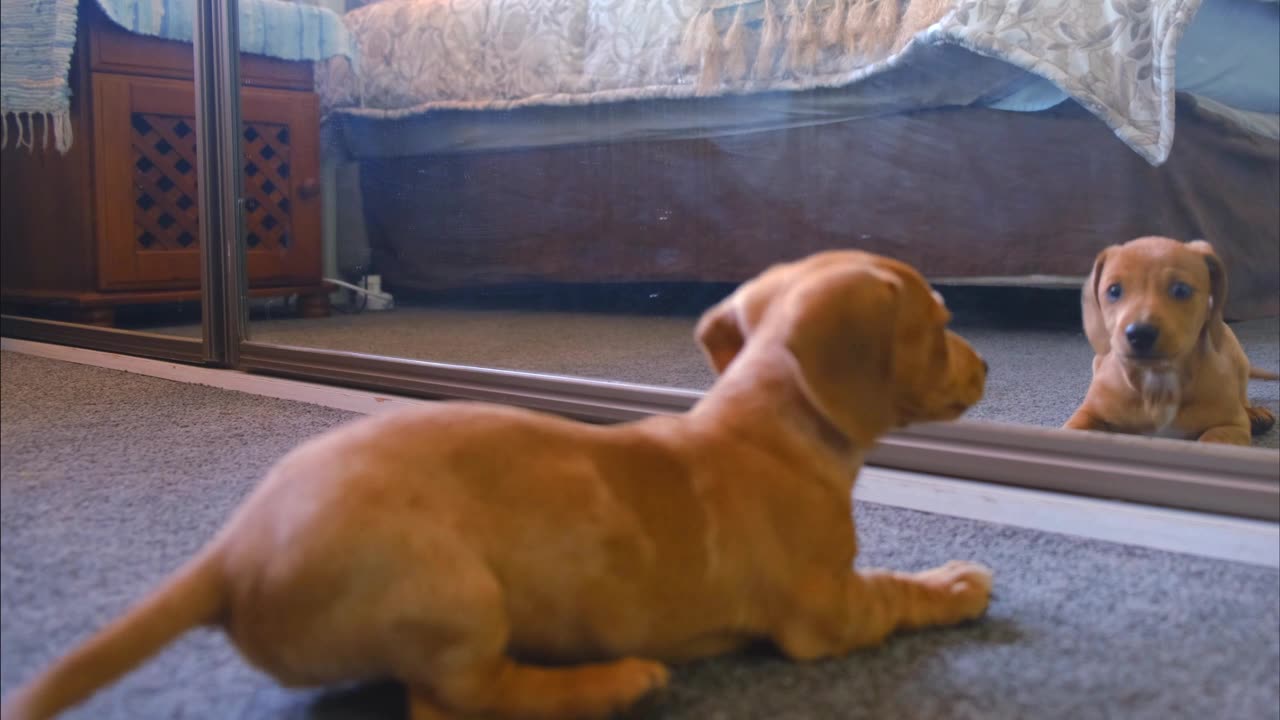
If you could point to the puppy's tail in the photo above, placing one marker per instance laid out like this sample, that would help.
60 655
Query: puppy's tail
1257 374
193 596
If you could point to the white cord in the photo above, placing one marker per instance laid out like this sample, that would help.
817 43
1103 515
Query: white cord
374 295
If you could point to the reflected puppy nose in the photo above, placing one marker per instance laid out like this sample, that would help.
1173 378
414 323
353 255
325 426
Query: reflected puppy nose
1141 336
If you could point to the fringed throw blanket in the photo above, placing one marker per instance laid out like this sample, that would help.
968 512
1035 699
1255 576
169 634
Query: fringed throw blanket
35 56
1114 56
37 37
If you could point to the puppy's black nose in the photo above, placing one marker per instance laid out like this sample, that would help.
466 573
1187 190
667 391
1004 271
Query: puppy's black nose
1142 337
986 367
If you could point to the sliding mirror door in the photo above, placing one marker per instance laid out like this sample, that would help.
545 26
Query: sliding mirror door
551 196
101 192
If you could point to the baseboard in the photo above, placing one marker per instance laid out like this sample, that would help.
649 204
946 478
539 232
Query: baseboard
359 401
1254 542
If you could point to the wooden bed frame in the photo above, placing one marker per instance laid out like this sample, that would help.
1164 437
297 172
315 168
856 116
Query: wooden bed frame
959 193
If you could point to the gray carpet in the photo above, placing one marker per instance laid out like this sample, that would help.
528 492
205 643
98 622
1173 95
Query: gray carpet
111 480
1038 377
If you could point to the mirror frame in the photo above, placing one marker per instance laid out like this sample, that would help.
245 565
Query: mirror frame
1243 482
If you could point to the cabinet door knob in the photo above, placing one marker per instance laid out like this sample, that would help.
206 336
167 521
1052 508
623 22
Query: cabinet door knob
309 188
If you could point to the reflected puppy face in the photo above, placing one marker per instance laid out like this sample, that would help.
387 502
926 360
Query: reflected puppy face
867 334
1152 300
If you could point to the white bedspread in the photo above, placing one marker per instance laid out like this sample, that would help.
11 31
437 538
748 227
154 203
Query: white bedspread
1113 56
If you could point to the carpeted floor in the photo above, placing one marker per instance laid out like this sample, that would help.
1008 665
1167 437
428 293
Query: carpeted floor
110 480
1038 377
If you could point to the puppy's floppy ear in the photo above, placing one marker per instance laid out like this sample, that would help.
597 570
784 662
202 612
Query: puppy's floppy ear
720 333
1215 324
726 327
1095 328
840 329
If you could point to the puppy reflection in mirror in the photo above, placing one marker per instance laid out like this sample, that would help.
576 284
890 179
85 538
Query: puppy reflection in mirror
1166 363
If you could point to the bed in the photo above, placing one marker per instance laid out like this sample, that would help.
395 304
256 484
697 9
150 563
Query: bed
698 140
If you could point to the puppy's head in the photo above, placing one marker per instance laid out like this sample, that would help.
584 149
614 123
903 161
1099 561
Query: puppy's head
866 335
1153 300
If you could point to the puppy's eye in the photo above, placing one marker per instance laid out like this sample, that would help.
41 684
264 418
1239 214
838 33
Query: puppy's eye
1115 291
1180 291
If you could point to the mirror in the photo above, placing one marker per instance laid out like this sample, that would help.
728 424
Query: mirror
449 183
100 206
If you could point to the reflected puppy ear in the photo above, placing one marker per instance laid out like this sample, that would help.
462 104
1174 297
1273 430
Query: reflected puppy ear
840 329
1215 323
1095 328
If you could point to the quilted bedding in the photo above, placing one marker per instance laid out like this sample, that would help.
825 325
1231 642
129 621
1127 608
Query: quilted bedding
1115 57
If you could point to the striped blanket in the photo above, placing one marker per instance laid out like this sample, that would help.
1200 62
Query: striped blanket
37 37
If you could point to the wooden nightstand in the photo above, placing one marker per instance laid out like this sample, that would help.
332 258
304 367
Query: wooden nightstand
115 221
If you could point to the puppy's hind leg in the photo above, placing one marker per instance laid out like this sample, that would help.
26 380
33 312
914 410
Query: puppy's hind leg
423 706
450 651
503 689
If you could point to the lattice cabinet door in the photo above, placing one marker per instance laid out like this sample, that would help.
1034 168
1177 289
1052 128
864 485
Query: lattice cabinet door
146 187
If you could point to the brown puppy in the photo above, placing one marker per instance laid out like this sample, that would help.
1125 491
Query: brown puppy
455 546
1166 363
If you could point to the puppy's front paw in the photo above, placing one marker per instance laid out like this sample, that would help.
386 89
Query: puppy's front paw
965 586
1260 419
